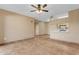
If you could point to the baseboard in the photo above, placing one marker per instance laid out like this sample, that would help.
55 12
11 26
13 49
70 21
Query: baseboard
65 41
41 34
6 43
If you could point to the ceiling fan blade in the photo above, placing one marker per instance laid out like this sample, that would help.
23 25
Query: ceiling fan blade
34 6
44 5
32 10
45 10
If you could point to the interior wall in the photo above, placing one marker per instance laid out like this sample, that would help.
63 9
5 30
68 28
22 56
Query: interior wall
37 29
55 33
46 27
18 27
15 27
43 28
72 34
74 24
1 29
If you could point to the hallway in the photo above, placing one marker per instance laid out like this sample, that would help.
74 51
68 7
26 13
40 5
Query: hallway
40 45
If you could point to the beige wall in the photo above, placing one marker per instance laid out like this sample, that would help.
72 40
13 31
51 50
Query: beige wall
74 24
16 27
37 29
73 34
46 27
1 29
42 28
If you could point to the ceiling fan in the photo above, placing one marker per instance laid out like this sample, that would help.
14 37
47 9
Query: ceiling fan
39 8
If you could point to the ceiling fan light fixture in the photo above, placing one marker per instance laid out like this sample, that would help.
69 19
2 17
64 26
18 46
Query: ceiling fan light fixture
39 8
40 11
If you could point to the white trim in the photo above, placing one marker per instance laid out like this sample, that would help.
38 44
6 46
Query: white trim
62 17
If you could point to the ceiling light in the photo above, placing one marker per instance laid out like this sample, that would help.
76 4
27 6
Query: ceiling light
39 11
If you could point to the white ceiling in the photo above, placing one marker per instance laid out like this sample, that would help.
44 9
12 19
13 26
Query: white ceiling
54 10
